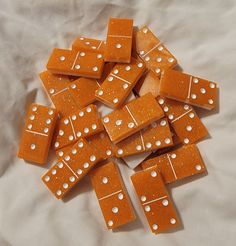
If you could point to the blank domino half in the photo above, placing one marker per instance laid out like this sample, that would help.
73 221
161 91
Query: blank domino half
119 40
37 133
134 116
155 200
184 120
112 195
82 123
119 83
70 169
153 52
183 162
189 89
76 63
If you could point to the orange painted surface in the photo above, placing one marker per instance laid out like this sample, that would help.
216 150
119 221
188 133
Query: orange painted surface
155 200
190 89
119 83
89 44
82 123
69 96
70 169
183 162
119 40
153 137
100 142
83 90
76 63
153 52
184 120
134 116
112 196
37 133
108 66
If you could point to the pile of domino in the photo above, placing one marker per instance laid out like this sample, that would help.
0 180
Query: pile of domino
119 98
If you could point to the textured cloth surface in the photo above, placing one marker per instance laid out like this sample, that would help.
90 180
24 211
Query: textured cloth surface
201 35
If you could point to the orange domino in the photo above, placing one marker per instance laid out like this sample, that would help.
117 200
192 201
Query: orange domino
69 96
155 200
82 123
112 195
184 120
64 150
134 116
83 90
119 40
77 63
149 82
153 137
183 162
190 89
119 83
37 133
100 142
68 171
108 66
89 44
152 51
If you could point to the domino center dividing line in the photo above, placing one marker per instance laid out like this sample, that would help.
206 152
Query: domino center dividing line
182 115
119 36
120 78
38 133
70 168
106 100
76 57
112 194
153 48
97 83
131 115
141 135
72 127
154 200
190 85
172 167
65 89
99 45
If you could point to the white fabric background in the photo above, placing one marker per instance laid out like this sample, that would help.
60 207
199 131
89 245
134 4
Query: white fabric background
202 36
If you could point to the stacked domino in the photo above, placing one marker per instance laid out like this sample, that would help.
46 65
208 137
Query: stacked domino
119 98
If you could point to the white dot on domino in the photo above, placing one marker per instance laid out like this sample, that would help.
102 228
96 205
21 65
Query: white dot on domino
86 165
92 158
120 196
104 180
147 208
153 174
118 46
33 146
60 165
155 227
110 223
115 210
143 198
